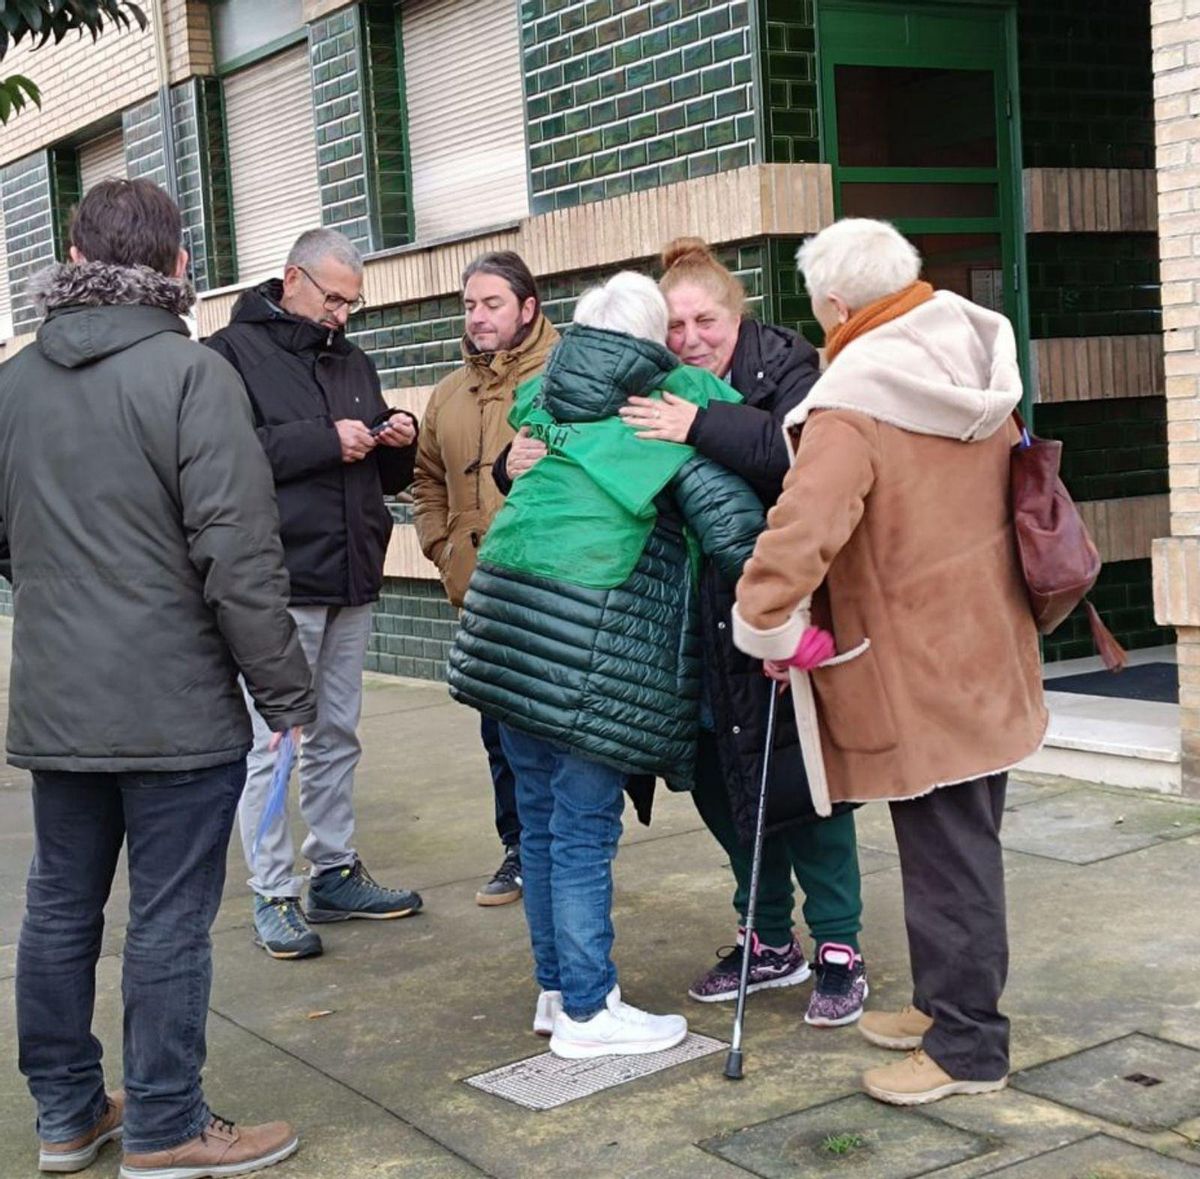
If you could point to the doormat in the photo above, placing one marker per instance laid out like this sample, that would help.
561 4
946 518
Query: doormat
1142 681
546 1081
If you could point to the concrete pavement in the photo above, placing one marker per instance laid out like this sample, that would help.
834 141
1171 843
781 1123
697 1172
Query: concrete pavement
1105 959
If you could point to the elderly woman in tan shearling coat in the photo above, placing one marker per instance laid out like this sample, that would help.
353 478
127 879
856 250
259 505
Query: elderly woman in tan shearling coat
895 526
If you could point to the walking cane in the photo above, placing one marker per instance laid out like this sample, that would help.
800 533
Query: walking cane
733 1060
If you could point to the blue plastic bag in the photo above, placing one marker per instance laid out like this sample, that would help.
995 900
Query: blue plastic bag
278 793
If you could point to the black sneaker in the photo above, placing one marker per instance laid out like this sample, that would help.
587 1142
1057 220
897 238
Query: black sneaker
342 893
841 988
505 886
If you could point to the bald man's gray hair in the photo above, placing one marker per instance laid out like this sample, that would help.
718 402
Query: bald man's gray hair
628 302
315 245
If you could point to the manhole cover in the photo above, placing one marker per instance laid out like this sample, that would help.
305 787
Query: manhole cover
851 1136
1137 1081
546 1081
1099 1157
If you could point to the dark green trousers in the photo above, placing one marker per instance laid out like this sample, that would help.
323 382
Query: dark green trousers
823 855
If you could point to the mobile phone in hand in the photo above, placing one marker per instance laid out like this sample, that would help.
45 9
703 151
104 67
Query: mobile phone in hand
375 431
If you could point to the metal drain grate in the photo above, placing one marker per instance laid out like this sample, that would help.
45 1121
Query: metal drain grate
546 1081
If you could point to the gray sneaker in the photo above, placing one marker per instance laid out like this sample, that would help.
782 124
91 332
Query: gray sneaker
342 893
505 886
280 928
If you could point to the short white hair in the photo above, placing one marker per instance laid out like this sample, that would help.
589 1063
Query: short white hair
313 246
628 302
860 259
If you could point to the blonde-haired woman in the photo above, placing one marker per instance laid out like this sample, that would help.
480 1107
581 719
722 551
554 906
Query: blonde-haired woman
772 368
897 516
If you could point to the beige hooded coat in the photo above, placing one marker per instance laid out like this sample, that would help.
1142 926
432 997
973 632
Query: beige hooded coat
897 508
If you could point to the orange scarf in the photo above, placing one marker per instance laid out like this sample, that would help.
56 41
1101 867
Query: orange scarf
874 315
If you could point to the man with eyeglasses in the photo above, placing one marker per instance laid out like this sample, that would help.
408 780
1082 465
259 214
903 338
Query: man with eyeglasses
336 449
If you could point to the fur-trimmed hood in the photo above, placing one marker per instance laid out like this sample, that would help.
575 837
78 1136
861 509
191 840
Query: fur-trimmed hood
101 284
96 310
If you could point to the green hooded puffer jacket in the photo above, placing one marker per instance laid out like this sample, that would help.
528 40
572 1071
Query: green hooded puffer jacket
610 673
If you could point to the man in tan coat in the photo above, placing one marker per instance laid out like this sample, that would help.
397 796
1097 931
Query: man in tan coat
464 430
896 514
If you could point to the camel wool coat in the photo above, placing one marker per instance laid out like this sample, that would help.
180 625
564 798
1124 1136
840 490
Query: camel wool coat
897 509
464 429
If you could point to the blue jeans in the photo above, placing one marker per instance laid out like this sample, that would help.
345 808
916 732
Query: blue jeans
177 827
508 824
570 811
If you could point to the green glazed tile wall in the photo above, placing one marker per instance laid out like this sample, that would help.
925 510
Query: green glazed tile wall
627 95
28 228
1124 596
1093 284
357 109
1086 83
201 168
1111 448
788 36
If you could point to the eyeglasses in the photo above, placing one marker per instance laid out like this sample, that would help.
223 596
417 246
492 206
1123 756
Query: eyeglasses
335 302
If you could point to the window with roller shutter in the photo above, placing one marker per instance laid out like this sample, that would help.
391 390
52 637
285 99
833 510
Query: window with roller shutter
6 320
272 161
466 114
101 159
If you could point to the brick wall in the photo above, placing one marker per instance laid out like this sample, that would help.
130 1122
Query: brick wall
81 81
624 96
1176 31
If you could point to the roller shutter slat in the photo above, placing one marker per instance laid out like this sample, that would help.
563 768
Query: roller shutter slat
102 159
466 114
272 161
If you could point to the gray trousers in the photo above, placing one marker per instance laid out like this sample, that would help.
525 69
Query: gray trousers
335 640
952 870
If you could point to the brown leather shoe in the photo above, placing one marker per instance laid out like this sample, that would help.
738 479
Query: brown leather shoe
901 1030
221 1149
80 1152
918 1080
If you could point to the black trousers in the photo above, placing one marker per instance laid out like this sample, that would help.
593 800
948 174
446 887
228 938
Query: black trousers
952 870
504 784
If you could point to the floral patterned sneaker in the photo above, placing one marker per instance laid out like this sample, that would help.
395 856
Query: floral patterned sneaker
769 967
841 987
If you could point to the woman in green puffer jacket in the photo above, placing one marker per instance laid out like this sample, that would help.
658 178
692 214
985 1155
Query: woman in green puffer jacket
579 634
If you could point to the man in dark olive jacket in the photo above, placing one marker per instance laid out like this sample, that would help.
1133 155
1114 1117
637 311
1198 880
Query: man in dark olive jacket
336 450
138 528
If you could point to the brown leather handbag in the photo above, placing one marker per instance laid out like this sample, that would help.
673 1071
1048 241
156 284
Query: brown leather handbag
1059 560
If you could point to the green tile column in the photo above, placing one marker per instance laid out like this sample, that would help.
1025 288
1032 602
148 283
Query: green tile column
202 172
788 63
358 106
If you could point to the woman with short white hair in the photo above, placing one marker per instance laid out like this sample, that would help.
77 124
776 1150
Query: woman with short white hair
894 530
579 634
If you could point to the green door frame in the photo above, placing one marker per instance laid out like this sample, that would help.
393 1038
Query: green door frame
947 34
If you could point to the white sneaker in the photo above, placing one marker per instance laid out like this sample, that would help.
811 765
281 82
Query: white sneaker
617 1030
549 1005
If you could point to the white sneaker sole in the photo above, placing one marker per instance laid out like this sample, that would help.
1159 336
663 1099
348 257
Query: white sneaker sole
327 916
68 1163
589 1049
948 1090
220 1172
786 980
